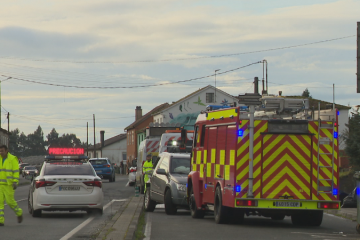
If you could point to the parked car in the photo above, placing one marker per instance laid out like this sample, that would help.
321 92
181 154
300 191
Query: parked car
22 165
350 200
103 168
70 185
168 183
30 170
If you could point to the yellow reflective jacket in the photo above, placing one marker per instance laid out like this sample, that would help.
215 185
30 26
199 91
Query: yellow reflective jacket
147 166
9 170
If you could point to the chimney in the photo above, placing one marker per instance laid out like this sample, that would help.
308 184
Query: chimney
138 113
102 133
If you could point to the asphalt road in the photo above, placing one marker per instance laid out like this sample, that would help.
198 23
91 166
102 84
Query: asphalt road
64 225
181 226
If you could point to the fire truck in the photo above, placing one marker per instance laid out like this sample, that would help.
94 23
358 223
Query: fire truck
276 159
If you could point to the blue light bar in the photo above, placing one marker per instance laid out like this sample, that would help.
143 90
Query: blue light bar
335 192
240 132
335 134
338 113
237 188
357 191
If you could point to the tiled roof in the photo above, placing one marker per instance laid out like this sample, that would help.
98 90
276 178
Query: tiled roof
314 103
147 115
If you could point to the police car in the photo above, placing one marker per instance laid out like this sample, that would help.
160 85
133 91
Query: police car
66 182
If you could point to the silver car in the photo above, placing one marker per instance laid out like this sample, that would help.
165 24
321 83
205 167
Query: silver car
168 183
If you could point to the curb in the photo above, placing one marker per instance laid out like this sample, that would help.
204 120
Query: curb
339 213
134 222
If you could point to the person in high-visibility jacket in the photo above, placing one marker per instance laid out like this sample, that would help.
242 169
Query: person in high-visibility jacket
9 179
147 166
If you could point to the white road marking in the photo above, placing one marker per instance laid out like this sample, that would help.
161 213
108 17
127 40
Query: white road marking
19 200
147 232
87 221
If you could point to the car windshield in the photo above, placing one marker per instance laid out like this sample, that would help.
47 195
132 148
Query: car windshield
98 162
30 168
68 168
180 165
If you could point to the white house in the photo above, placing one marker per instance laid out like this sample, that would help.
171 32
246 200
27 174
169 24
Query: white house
186 110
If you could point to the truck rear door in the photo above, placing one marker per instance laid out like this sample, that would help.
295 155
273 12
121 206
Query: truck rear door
286 160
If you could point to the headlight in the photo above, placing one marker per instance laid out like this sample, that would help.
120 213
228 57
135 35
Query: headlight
181 187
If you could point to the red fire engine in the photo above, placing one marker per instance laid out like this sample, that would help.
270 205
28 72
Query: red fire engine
274 160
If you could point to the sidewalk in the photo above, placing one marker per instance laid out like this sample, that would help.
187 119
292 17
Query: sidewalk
349 213
123 225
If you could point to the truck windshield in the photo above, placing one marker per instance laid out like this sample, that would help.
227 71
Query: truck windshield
180 165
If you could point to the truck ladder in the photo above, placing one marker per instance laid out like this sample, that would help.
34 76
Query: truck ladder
324 141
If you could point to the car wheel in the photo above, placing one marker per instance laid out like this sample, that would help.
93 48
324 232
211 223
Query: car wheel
149 205
195 213
29 204
170 207
220 211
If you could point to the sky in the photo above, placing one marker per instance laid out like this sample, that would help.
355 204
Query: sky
72 60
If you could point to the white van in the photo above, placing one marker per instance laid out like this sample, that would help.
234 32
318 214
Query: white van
147 146
171 139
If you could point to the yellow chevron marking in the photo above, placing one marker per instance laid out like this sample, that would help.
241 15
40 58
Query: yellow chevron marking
232 157
242 161
208 170
243 173
299 143
276 179
213 155
222 157
194 167
325 196
243 148
205 156
282 185
280 149
198 157
273 144
227 172
201 170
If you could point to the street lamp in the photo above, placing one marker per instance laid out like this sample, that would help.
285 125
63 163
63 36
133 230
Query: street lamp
215 82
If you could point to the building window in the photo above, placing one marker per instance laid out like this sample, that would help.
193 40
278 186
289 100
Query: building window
124 156
210 98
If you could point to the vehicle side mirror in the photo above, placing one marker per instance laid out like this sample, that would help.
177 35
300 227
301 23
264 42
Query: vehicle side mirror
161 171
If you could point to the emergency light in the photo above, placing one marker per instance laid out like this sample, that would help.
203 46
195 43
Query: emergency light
335 134
237 188
357 191
335 192
240 132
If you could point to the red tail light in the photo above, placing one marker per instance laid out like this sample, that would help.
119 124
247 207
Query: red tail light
328 205
107 165
248 203
42 183
132 170
95 183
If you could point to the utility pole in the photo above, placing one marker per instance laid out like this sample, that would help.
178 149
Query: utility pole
87 138
8 118
215 82
357 58
94 136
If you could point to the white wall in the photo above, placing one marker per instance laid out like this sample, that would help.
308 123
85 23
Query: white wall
189 108
115 151
343 119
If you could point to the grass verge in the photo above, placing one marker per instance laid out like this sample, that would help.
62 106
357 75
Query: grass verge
139 232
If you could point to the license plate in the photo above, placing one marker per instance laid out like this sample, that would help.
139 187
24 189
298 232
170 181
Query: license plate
99 171
69 188
287 204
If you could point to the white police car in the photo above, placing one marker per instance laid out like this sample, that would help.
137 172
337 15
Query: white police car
67 182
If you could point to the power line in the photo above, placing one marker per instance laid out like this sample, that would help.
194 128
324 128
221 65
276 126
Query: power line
180 59
140 86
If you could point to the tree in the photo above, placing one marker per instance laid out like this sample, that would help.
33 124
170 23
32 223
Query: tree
352 138
36 143
52 138
306 93
14 147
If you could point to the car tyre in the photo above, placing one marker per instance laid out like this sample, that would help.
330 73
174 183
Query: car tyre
149 205
34 213
220 211
170 207
195 213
